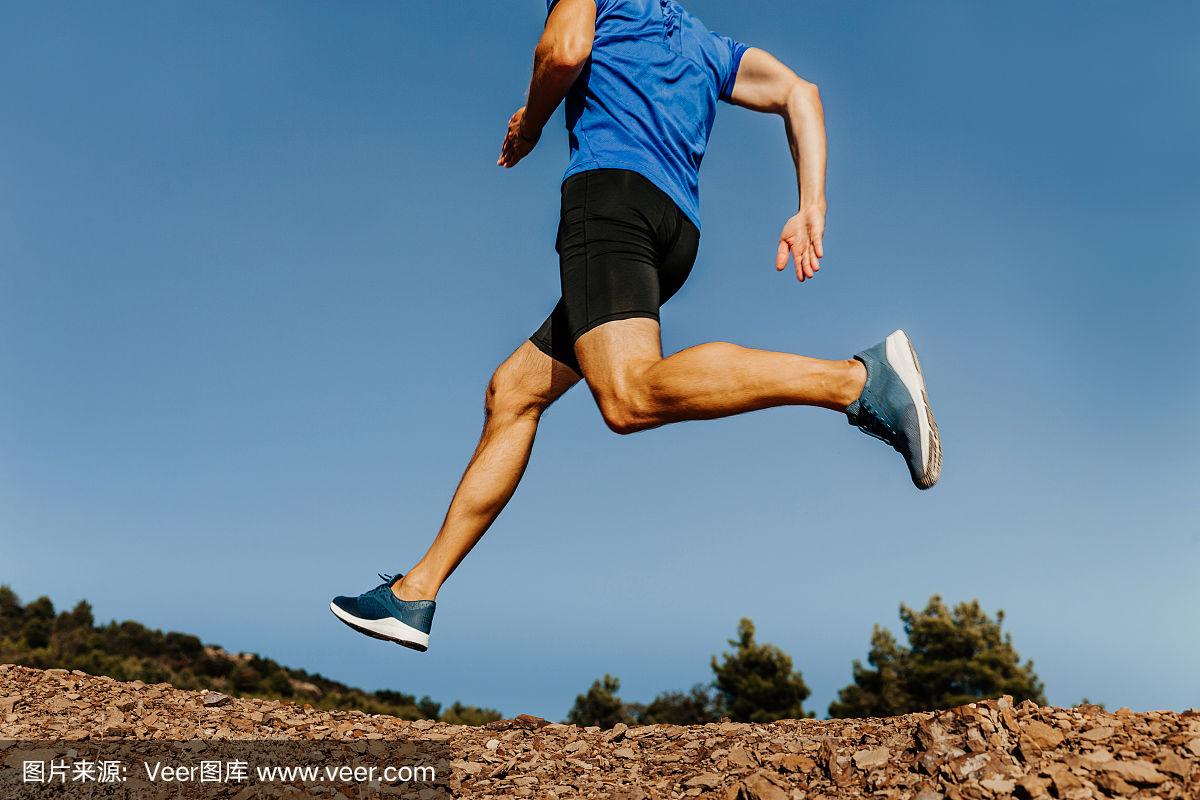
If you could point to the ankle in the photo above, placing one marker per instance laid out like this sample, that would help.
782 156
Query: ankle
411 587
854 383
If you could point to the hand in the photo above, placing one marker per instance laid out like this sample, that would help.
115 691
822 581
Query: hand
518 142
801 236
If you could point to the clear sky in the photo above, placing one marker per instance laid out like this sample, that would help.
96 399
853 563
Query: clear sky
257 263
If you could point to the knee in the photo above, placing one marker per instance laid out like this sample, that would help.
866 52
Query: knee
508 397
625 412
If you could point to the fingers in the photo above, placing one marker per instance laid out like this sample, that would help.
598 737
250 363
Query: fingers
803 254
801 242
799 256
514 151
505 149
509 151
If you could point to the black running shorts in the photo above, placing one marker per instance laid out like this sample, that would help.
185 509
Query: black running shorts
624 248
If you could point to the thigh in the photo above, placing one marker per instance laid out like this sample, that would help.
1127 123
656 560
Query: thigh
612 354
680 256
608 249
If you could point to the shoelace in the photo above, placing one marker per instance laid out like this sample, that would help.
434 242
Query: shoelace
386 586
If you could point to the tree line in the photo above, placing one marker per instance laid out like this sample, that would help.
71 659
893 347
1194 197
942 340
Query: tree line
953 656
36 636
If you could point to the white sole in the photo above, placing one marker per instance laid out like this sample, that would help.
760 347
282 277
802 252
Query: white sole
903 359
388 628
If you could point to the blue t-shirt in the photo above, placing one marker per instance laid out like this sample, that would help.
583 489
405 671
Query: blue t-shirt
647 99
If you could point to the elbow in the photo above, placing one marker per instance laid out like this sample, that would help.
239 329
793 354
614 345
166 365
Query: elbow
805 93
800 97
566 56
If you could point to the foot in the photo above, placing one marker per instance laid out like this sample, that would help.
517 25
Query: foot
379 613
894 407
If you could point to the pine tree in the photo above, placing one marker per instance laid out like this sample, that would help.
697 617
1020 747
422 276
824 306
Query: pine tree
953 657
755 683
600 705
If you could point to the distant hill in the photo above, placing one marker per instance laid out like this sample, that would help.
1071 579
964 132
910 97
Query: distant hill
35 635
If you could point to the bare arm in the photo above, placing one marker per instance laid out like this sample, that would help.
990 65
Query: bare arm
564 48
765 84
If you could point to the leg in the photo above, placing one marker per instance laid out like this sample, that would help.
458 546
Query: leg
625 249
636 388
520 390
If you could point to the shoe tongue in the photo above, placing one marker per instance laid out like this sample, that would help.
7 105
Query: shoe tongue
853 410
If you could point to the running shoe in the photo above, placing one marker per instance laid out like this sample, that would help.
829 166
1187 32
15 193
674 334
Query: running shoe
381 614
894 407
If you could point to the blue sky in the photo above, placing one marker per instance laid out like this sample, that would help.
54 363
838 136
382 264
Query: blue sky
257 263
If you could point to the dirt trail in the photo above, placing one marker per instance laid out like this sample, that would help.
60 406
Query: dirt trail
984 750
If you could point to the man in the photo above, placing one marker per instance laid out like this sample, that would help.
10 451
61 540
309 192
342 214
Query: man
641 79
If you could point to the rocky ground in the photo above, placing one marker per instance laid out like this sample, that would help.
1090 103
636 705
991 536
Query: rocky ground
984 750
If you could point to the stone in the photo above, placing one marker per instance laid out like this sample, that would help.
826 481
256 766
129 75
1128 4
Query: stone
529 721
875 757
741 757
1138 772
1064 780
967 765
1042 735
1113 784
1097 734
998 785
976 742
617 732
759 786
1034 786
1175 765
705 780
793 762
931 735
631 793
624 752
1095 758
213 699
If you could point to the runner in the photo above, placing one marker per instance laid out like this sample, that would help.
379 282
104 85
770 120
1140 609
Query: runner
641 80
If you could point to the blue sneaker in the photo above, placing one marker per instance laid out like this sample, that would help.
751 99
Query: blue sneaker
381 614
894 407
